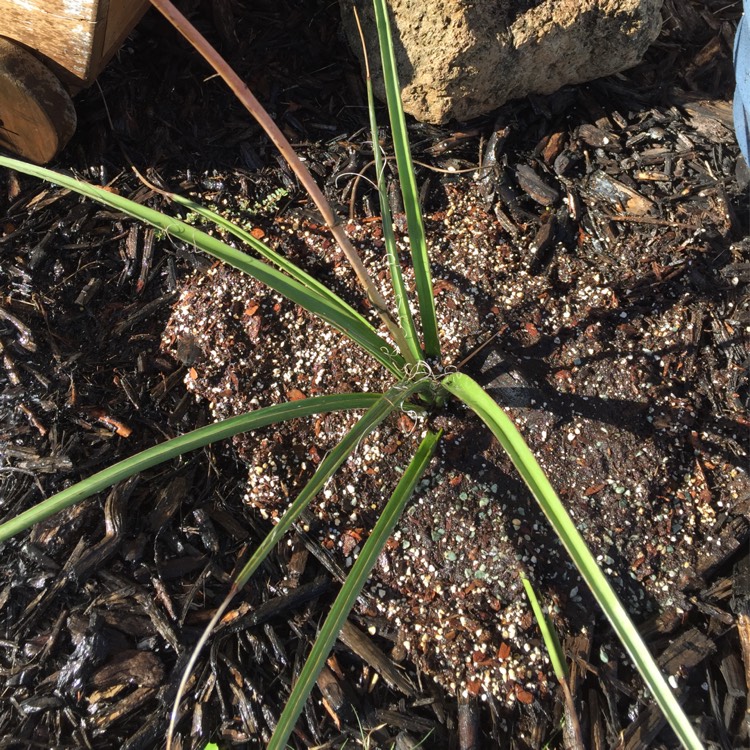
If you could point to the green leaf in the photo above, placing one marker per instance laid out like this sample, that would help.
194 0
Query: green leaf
397 280
343 319
269 254
386 403
557 657
549 634
351 589
408 180
468 391
383 405
179 445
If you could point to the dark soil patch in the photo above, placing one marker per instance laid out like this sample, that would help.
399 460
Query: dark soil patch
593 275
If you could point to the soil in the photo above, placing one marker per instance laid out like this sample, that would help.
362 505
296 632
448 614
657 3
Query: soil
591 264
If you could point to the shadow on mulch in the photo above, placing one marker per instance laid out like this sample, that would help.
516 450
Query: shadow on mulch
604 301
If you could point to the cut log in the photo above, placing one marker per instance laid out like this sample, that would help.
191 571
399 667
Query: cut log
37 117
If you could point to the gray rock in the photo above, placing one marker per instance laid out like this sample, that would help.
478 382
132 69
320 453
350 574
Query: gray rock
462 58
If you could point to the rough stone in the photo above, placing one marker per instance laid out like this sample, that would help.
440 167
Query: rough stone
459 59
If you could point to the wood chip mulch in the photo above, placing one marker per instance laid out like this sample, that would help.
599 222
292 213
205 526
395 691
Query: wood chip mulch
100 604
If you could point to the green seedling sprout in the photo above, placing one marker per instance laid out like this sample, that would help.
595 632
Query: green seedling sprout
557 658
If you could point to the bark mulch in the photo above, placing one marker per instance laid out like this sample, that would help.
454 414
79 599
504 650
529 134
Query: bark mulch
591 268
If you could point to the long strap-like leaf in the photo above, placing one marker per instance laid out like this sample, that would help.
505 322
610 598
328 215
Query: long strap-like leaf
269 254
397 280
179 445
345 320
383 406
409 190
356 579
468 391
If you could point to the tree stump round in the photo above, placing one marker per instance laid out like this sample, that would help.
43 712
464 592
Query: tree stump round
37 117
